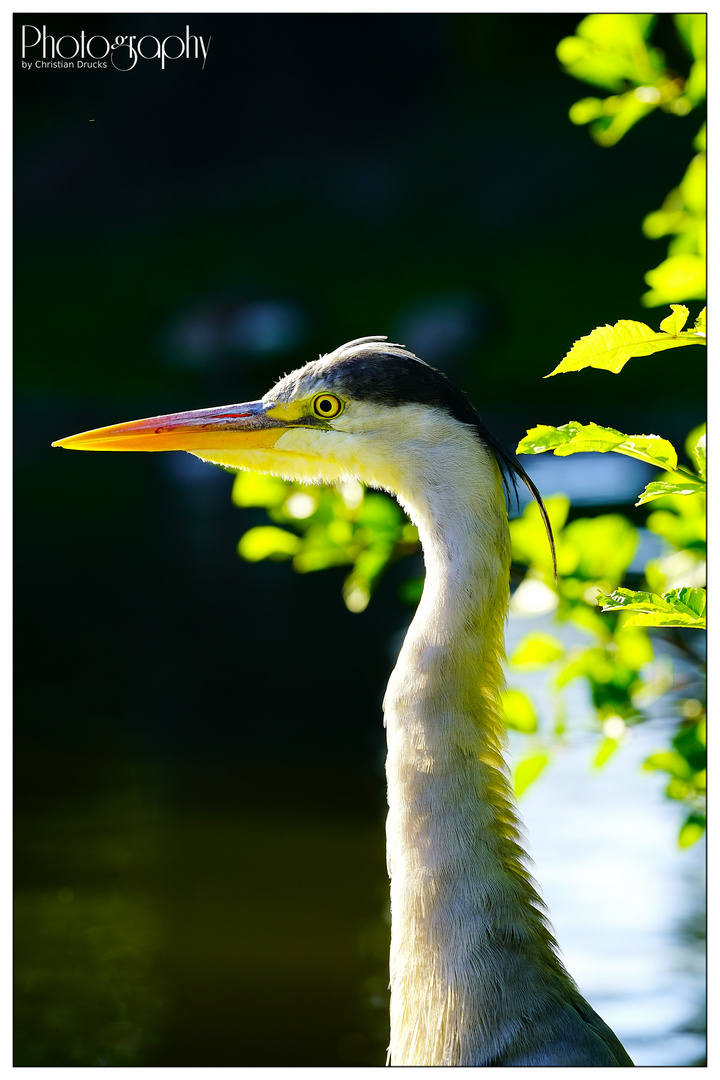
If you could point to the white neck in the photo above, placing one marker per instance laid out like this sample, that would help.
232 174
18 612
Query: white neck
469 943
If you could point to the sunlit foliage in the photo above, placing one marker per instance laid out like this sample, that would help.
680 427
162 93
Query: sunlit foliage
620 667
322 527
613 53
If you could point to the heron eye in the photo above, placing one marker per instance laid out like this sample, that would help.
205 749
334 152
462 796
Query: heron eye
327 406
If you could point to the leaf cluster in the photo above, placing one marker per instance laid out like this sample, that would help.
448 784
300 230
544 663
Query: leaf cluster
594 556
318 528
616 658
612 51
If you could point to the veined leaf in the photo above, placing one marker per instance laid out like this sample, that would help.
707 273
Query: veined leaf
682 486
679 607
674 323
576 438
610 347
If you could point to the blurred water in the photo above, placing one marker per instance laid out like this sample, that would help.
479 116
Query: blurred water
588 479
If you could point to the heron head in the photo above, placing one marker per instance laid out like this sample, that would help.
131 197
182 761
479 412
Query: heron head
370 410
350 413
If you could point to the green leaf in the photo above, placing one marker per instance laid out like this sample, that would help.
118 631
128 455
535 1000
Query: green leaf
527 771
536 650
679 277
687 532
586 109
268 542
379 512
596 550
575 438
361 582
674 323
670 762
634 648
693 32
691 830
678 607
609 50
256 489
606 749
684 485
529 539
683 210
691 743
610 347
519 711
693 186
411 590
695 448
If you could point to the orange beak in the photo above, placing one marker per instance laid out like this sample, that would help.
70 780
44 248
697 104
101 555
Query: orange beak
226 427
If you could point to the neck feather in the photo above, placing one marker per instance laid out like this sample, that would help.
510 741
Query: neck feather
468 934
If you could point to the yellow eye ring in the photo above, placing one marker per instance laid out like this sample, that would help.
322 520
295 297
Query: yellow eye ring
327 406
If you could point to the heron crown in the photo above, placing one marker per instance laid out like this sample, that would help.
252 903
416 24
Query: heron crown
375 371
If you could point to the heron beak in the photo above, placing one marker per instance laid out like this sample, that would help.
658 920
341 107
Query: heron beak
232 427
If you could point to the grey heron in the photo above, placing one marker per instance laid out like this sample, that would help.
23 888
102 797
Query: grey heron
475 974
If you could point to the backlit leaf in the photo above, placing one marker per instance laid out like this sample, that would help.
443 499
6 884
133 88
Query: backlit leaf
695 447
537 650
527 771
670 762
684 485
268 542
606 749
693 186
674 323
692 28
256 489
680 277
610 347
691 831
678 607
575 438
597 549
609 50
529 539
519 711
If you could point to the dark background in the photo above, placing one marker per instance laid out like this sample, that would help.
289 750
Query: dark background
198 743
